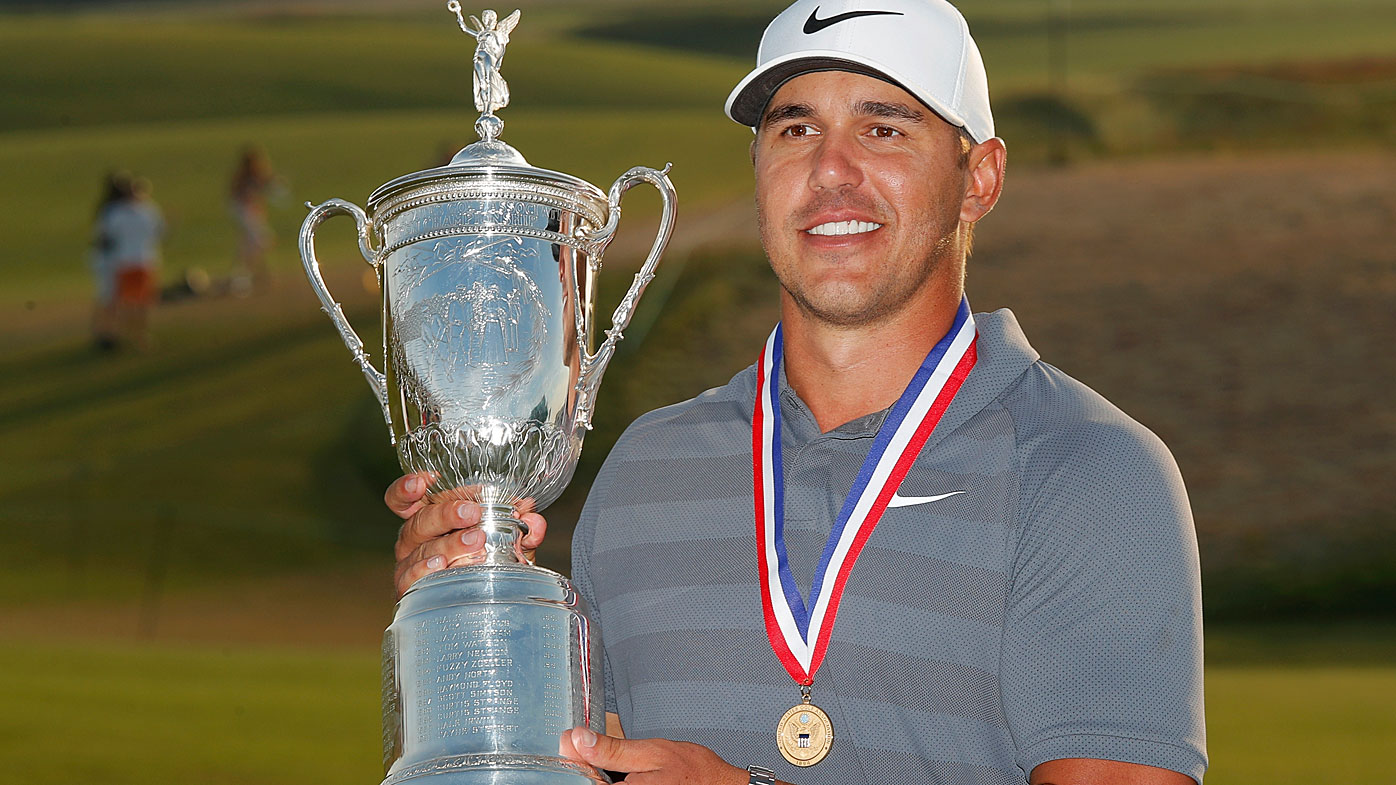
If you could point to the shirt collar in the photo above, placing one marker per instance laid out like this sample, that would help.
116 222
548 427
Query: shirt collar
804 428
1004 354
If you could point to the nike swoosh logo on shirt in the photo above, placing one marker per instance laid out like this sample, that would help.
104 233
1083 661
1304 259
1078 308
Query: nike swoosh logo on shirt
814 24
899 500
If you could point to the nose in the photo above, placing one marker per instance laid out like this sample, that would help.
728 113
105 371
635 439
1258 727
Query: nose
835 165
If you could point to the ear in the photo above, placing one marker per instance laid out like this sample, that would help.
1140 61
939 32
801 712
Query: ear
752 151
984 182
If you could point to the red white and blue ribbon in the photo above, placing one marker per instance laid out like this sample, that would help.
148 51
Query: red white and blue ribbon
799 632
584 647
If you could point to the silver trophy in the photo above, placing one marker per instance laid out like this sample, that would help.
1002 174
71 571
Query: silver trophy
488 268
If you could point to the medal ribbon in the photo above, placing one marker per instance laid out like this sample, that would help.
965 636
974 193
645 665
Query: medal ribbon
584 647
799 633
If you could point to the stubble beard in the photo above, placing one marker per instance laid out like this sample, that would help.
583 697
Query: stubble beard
846 306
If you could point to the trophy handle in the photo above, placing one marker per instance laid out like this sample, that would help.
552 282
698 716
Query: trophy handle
594 365
318 214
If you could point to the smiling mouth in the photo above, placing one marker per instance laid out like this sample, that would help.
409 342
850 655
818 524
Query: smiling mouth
840 228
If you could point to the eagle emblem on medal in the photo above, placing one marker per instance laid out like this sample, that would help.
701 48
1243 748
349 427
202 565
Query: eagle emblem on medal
805 735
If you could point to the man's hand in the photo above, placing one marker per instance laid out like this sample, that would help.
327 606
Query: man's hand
651 761
437 536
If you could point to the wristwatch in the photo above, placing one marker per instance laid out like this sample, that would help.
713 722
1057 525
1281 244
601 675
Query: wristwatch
760 775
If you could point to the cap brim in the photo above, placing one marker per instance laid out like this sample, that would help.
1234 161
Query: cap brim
747 101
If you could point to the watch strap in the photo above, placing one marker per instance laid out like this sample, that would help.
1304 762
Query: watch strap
760 775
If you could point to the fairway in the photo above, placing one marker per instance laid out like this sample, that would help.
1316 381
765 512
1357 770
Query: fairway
194 556
322 156
118 714
1300 724
127 714
344 103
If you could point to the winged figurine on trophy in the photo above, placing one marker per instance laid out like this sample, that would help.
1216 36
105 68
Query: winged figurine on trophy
491 91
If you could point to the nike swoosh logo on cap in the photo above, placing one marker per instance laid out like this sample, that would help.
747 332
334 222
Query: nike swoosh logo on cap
899 500
814 24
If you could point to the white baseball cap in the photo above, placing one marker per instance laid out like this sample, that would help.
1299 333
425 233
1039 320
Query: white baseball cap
922 46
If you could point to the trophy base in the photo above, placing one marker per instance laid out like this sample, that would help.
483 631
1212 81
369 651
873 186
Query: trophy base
485 667
498 769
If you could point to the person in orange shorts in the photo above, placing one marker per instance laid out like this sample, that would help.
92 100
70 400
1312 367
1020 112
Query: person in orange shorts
134 227
116 188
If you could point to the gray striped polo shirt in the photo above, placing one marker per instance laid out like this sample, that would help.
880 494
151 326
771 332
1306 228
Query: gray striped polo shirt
1052 610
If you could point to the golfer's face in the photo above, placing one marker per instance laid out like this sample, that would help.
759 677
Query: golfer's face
859 191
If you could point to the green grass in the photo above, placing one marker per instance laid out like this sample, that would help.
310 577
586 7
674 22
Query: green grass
96 69
228 442
1108 42
344 102
322 156
116 713
1083 79
1277 725
128 713
246 445
101 70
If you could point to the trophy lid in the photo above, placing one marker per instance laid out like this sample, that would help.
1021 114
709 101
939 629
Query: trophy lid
489 170
490 163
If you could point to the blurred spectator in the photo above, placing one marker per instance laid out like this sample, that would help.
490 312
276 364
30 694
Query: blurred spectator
115 188
132 227
254 183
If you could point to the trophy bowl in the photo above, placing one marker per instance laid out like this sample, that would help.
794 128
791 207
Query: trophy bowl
488 271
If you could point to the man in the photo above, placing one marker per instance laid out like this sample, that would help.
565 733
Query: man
1010 559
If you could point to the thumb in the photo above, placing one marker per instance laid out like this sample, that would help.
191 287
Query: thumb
566 748
608 752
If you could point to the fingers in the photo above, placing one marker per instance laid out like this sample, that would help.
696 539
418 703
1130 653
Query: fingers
457 548
432 521
442 535
606 752
565 747
406 496
436 536
650 760
537 527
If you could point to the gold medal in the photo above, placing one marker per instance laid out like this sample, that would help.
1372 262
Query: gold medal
805 734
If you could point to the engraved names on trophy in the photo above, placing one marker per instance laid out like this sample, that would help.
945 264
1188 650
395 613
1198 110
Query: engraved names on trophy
392 703
553 677
469 683
468 686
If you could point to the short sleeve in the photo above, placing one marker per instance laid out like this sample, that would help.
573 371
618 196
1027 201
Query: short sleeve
1103 633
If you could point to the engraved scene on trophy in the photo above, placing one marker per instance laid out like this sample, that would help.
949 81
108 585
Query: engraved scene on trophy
476 339
483 368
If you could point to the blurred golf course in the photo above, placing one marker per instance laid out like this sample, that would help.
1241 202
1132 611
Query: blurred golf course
194 556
